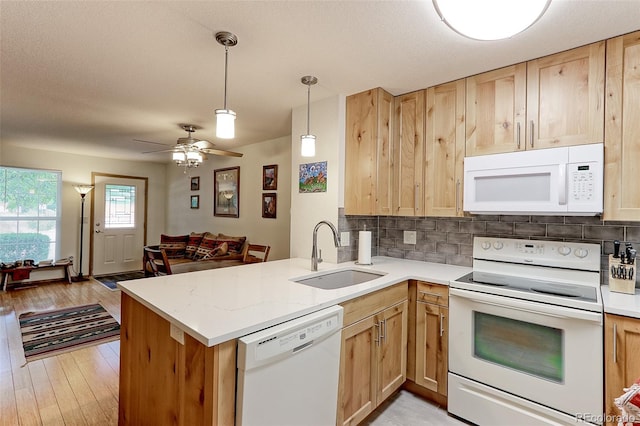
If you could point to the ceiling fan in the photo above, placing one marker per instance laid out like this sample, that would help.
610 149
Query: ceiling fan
191 151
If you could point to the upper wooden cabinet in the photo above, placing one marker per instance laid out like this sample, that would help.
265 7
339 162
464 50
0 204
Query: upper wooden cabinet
565 98
496 103
444 149
409 154
622 130
368 153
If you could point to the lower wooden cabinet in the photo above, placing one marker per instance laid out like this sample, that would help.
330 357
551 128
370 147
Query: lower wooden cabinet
622 364
431 337
373 358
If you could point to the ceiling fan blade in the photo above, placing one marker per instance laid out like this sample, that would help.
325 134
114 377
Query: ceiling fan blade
202 144
155 143
221 152
163 150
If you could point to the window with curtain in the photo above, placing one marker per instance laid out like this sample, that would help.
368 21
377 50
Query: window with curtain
30 214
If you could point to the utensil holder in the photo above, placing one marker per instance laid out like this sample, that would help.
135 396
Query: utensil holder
619 284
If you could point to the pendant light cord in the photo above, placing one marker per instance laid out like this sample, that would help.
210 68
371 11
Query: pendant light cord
308 106
226 64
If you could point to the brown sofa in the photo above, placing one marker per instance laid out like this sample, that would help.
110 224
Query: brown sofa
199 251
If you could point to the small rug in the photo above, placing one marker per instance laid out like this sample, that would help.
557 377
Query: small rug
51 333
110 281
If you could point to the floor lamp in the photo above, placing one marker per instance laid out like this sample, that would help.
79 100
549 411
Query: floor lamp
83 190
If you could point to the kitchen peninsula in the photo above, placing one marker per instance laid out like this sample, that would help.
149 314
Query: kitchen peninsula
178 338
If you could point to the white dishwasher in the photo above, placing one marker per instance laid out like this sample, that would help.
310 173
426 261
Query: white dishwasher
288 374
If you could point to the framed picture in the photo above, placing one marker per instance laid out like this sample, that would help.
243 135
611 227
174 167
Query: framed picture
195 201
313 177
227 192
195 183
270 177
269 205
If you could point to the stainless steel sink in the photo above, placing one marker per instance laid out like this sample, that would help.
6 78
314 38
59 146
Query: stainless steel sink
339 279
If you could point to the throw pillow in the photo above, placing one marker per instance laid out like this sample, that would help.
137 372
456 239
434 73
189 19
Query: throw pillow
221 250
193 243
235 243
207 245
174 246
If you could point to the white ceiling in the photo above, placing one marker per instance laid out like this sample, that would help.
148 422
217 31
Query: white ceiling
90 76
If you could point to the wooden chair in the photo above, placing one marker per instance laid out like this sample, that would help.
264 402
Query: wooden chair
156 263
256 253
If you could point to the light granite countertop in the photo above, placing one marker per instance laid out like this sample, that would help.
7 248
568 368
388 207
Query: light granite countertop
627 305
218 305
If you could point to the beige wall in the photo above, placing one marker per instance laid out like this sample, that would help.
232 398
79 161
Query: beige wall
77 169
273 232
327 124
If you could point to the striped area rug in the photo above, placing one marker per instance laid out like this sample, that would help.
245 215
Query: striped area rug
51 333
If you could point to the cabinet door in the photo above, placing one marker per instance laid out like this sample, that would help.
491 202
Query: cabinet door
368 153
622 131
444 149
565 98
358 366
496 103
409 154
432 347
392 352
622 365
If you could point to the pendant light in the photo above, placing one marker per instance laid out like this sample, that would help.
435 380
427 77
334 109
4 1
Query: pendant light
225 118
490 19
308 141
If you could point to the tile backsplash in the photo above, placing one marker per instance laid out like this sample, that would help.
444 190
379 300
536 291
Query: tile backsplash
450 240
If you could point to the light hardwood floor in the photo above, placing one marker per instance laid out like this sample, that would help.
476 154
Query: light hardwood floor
81 387
75 388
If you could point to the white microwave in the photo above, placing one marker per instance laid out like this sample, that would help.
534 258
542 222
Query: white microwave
554 181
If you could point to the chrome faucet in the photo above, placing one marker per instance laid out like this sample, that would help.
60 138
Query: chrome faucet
314 250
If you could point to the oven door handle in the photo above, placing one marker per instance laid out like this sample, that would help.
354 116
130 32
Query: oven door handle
527 306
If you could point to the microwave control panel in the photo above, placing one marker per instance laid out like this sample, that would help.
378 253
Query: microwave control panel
582 182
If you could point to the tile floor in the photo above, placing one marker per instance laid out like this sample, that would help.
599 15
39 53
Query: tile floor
407 409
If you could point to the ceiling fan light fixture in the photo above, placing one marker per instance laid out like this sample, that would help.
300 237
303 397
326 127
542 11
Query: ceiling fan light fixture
308 141
179 157
225 124
490 19
225 118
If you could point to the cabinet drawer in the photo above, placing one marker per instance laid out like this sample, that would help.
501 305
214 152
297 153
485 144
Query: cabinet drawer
433 293
364 306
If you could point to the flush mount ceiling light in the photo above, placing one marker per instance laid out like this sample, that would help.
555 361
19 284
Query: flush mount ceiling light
308 141
225 118
490 19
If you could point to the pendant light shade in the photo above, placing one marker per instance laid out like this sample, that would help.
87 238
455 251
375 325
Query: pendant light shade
308 141
490 19
225 118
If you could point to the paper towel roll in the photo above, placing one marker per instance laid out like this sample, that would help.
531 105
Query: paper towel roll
364 248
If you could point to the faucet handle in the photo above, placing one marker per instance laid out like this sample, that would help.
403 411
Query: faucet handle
320 256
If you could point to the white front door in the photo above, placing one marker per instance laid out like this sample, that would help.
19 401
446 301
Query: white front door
118 224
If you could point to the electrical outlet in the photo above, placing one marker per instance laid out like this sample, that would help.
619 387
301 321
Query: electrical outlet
345 239
409 237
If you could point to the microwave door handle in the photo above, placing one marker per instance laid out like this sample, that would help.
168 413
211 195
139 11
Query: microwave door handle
562 184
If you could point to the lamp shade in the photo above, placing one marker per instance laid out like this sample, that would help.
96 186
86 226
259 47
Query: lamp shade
83 189
490 19
308 145
225 123
179 157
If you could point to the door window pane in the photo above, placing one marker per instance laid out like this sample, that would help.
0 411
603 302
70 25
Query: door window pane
530 348
119 206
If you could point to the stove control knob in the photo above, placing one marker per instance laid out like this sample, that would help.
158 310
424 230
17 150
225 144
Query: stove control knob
581 253
564 250
498 245
486 245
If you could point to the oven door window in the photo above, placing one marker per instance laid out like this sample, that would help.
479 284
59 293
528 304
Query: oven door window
527 347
